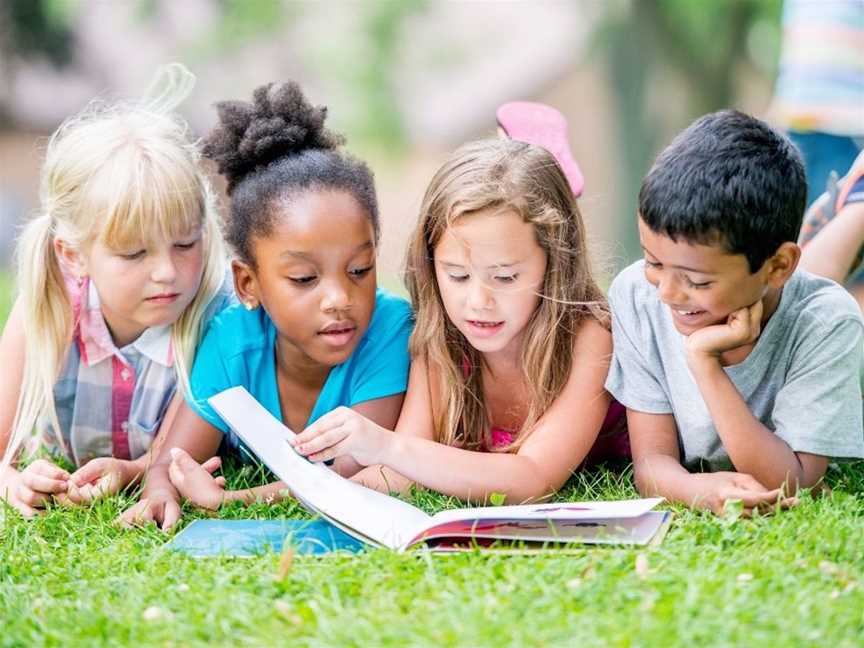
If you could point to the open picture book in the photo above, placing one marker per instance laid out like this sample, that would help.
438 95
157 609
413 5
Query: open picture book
385 521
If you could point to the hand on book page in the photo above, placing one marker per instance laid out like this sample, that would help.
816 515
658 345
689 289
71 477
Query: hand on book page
343 432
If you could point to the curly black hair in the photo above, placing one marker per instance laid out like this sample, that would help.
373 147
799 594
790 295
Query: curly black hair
273 149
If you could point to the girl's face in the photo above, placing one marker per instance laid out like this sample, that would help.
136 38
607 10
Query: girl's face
490 269
315 277
144 286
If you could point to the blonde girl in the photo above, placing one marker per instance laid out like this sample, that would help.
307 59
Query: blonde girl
511 345
116 275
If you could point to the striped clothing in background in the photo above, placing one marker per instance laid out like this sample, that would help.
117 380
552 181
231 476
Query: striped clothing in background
820 86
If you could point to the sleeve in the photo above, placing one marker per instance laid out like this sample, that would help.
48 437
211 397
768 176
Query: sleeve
819 408
209 377
633 379
383 370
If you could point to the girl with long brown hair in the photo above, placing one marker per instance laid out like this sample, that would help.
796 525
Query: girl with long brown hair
511 344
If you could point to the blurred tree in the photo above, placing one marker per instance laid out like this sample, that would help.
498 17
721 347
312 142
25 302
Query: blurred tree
32 29
702 46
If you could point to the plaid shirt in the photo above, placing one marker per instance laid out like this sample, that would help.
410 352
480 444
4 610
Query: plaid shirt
110 401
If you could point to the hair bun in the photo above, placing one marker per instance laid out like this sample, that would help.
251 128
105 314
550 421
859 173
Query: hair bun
278 122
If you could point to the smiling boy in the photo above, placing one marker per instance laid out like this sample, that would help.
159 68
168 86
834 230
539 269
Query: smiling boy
728 359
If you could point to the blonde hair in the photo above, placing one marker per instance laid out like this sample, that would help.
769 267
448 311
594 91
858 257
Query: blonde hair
501 175
121 174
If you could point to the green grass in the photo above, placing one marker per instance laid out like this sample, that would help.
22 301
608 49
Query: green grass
73 578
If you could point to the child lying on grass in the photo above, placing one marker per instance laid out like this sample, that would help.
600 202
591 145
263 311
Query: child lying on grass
727 358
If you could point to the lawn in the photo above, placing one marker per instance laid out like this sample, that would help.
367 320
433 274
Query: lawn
73 578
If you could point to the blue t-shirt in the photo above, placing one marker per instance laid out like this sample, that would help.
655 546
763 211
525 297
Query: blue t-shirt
239 349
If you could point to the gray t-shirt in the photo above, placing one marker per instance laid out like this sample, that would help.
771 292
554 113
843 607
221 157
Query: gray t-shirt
801 380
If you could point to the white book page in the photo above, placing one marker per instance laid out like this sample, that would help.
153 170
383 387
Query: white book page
637 530
356 509
552 511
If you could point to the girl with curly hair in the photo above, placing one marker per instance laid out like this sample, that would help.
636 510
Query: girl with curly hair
312 332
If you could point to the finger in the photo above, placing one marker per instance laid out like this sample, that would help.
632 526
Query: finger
37 482
47 469
750 499
30 497
170 514
212 464
24 509
92 471
183 459
336 450
322 442
72 497
220 481
328 422
747 482
176 474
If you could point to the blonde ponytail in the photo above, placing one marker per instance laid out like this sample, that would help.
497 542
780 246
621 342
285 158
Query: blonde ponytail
115 173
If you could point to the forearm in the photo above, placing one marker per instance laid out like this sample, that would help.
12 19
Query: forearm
273 492
752 447
660 475
831 253
383 479
466 474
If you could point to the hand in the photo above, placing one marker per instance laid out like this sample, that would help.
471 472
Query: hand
160 504
195 482
100 477
721 487
30 489
742 327
343 432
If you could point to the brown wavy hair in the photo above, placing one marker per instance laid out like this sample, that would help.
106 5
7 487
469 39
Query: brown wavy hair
501 175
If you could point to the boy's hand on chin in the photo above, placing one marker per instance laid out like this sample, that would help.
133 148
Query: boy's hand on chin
742 327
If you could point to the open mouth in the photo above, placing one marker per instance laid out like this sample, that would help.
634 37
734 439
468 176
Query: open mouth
484 328
339 333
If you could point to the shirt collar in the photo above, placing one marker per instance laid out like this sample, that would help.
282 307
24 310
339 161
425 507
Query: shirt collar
95 338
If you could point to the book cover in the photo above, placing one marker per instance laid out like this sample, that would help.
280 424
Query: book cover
246 538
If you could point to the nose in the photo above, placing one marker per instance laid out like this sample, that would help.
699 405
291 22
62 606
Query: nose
335 296
669 290
479 295
164 270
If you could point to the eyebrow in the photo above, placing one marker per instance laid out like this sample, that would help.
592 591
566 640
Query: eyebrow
510 264
678 267
308 256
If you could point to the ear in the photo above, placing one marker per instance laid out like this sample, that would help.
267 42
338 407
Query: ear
71 259
245 284
781 266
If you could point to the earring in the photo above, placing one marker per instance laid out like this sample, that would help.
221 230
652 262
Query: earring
249 306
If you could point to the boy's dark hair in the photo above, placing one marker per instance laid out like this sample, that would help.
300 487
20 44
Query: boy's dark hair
273 149
729 179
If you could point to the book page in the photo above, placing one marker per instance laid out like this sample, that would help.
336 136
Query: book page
365 513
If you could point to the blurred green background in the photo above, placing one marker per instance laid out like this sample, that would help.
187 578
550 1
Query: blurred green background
406 80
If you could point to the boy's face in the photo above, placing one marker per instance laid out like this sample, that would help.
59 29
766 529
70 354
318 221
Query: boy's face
701 284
